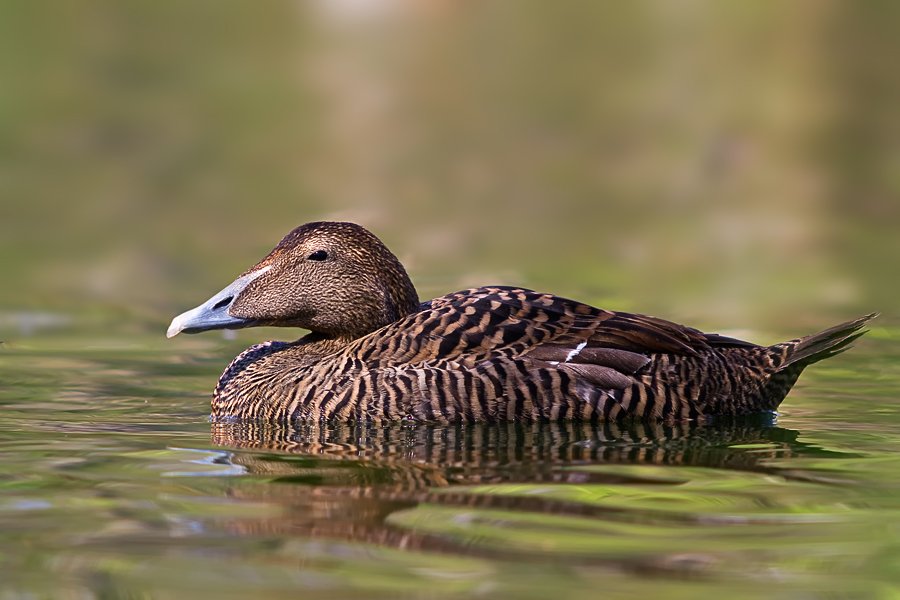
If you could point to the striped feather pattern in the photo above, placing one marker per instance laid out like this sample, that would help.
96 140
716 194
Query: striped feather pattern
496 354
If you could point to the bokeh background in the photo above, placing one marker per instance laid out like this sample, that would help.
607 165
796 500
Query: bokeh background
728 165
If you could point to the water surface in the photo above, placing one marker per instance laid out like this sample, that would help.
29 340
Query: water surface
113 484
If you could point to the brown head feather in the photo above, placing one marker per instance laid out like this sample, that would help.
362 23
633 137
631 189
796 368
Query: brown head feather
336 279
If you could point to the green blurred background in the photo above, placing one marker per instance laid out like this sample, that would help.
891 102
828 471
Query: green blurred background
725 164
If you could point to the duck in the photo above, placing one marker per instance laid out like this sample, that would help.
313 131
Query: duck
374 352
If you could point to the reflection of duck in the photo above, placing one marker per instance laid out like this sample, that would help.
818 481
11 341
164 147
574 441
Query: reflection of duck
365 482
485 354
407 456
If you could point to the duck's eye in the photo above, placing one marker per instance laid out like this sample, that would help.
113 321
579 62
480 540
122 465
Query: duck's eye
318 255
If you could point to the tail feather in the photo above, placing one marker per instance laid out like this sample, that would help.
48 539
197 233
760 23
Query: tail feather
824 344
798 354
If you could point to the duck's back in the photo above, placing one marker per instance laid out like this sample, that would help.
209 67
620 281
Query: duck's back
505 353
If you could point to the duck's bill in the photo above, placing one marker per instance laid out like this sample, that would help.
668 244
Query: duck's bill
213 314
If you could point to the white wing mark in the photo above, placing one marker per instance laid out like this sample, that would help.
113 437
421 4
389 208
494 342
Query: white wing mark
575 352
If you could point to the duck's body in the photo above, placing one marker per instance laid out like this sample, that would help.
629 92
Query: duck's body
485 354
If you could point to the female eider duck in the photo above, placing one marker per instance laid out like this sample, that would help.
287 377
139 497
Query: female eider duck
484 354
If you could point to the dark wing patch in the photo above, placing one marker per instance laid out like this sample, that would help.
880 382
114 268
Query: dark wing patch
621 360
721 341
602 377
640 333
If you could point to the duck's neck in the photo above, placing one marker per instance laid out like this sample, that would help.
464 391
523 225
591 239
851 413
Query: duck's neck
397 294
384 301
320 344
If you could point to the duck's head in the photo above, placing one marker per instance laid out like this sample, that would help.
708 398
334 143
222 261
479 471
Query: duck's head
336 279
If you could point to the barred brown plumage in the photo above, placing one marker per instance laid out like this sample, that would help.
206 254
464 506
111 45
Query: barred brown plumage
484 354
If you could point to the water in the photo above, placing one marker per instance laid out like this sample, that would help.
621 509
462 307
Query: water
113 485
